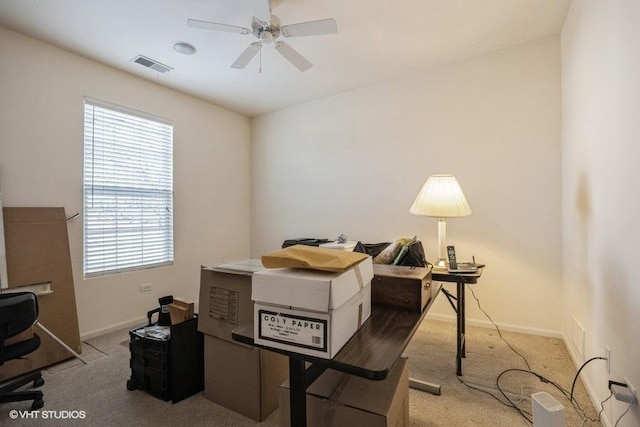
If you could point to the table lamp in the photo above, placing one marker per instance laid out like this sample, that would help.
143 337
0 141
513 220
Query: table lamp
441 197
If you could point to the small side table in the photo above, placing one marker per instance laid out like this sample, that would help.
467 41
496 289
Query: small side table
458 304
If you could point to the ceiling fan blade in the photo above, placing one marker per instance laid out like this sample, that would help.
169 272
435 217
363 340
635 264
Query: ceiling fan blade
293 56
215 26
246 56
312 28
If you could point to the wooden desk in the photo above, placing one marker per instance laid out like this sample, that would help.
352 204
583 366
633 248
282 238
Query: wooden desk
458 306
371 352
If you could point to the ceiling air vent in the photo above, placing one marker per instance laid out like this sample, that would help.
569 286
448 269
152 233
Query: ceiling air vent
150 63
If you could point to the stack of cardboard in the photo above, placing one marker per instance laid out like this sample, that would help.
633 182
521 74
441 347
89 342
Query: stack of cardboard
242 378
337 399
312 301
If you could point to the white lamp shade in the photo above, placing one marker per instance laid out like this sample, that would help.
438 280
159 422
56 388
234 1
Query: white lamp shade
441 197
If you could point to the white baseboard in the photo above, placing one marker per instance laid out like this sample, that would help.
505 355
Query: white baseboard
122 325
577 361
503 326
445 318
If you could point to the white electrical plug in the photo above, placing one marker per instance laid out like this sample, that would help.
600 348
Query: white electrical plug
622 392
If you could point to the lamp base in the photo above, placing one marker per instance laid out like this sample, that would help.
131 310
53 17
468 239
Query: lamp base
442 243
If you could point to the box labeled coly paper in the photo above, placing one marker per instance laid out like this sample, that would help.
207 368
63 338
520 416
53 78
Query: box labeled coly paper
311 312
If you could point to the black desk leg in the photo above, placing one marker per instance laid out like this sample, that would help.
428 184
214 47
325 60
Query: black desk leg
464 319
297 393
461 350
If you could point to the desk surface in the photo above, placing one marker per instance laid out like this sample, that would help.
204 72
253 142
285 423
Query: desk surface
442 275
373 350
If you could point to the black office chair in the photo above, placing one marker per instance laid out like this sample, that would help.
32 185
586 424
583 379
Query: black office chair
18 312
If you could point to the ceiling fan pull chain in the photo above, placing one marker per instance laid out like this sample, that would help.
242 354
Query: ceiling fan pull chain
260 68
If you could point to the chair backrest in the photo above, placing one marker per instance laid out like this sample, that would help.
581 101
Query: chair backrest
18 311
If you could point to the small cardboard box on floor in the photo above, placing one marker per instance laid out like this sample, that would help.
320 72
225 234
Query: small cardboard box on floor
239 377
337 399
308 311
242 378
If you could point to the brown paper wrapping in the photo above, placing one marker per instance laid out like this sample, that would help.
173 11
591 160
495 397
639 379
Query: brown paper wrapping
313 258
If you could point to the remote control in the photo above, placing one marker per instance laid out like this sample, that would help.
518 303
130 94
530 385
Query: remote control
451 253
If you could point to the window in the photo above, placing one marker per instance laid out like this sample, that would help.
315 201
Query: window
128 190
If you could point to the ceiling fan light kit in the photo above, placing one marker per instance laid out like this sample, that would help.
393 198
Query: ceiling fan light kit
268 33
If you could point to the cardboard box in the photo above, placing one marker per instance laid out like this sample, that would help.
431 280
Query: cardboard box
225 297
401 287
242 378
320 334
37 249
180 310
310 289
337 399
311 312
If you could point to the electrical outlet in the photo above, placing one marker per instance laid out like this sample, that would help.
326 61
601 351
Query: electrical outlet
145 287
631 388
623 392
607 354
577 336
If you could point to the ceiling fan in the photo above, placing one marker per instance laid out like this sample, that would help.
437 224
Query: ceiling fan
268 32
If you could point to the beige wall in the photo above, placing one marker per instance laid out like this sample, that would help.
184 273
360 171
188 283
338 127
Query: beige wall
601 207
353 163
41 113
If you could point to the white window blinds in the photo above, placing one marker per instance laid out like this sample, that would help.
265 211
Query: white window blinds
128 190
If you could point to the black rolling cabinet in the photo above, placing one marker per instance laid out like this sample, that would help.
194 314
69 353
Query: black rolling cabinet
149 365
169 370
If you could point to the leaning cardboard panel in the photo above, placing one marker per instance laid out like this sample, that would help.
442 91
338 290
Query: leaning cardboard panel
37 247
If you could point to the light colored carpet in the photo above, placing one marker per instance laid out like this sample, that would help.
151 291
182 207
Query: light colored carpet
432 358
99 388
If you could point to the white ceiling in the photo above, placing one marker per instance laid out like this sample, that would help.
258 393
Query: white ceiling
377 40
